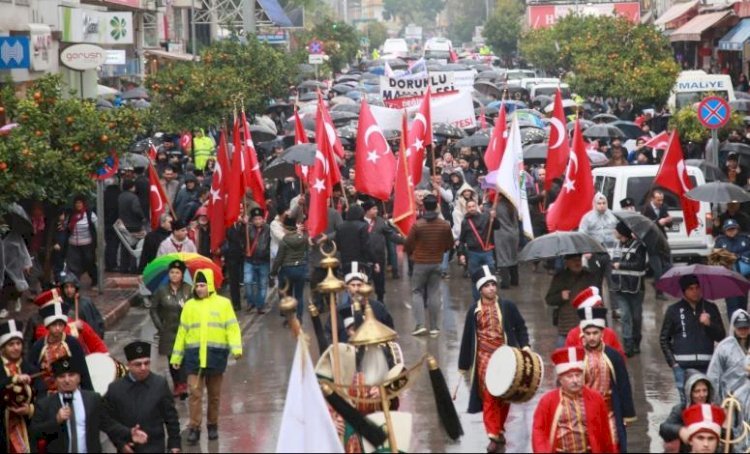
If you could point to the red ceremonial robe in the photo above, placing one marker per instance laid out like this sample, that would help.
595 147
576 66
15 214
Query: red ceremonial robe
89 340
609 337
597 422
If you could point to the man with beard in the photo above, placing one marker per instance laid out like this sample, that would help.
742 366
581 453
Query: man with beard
572 418
605 372
200 232
490 323
475 242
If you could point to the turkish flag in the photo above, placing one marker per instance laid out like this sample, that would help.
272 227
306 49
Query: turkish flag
330 130
420 136
252 176
218 192
300 136
325 130
374 164
233 184
157 198
320 188
495 149
558 148
151 152
404 209
577 191
658 142
673 175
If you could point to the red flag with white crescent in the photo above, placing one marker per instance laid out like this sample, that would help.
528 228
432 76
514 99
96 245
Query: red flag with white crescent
157 198
404 208
374 163
253 178
216 199
420 136
329 129
558 148
327 147
658 142
300 136
495 149
234 188
673 175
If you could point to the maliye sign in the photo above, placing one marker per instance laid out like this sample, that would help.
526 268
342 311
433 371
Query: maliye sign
81 57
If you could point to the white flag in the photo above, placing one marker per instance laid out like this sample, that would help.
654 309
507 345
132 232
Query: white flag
510 181
306 424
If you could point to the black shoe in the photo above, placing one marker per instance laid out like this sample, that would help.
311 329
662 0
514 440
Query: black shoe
194 435
213 432
261 312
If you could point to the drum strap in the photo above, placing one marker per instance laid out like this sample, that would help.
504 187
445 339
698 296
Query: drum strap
555 419
17 432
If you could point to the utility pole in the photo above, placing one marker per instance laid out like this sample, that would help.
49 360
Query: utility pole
192 29
248 17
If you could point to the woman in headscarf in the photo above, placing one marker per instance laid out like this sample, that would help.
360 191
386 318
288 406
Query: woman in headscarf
166 308
699 390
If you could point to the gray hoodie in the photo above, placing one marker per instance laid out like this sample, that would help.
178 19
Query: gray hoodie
669 430
727 367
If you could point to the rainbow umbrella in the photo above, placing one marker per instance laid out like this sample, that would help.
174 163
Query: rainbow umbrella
156 272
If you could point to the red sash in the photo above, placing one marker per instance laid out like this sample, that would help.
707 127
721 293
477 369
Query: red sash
485 247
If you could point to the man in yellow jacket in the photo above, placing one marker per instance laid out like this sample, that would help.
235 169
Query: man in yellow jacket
203 149
208 333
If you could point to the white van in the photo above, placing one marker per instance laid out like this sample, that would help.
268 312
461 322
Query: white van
548 89
396 47
438 49
692 86
616 183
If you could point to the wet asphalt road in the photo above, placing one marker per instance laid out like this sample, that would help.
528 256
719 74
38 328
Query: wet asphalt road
254 388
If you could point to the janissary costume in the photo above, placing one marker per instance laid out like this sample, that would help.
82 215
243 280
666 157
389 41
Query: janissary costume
14 430
571 421
46 351
590 297
488 326
606 373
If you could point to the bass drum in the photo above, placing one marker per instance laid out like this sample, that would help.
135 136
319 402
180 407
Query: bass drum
103 370
514 375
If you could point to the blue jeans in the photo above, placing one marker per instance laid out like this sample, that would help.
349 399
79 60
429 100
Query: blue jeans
444 263
256 284
474 262
679 381
631 317
296 276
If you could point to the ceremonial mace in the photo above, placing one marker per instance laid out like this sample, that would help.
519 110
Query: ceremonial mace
331 286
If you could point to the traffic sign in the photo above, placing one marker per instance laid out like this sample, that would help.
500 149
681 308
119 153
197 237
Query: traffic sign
315 59
315 47
713 112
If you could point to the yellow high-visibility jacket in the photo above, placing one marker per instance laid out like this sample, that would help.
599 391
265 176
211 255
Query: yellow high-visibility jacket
208 332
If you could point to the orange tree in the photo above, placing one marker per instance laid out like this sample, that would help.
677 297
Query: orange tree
186 95
58 143
605 56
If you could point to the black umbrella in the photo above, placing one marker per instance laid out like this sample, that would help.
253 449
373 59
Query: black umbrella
395 63
646 231
349 78
303 153
347 132
560 244
741 95
351 108
312 85
281 108
392 134
492 76
535 152
718 192
629 128
261 133
488 111
603 131
279 169
134 160
743 105
341 117
604 118
739 148
309 96
341 88
488 88
543 100
448 131
710 171
135 93
585 124
477 140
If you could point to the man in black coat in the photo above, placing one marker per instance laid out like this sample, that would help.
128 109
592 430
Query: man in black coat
153 240
659 213
142 398
379 232
57 415
133 217
352 238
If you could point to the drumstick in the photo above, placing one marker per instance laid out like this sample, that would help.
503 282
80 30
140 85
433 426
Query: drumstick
455 390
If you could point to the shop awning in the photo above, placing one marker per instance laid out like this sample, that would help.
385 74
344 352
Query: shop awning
675 12
693 30
735 39
275 13
169 55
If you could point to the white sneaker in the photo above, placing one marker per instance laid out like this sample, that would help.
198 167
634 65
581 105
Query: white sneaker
4 313
434 332
419 331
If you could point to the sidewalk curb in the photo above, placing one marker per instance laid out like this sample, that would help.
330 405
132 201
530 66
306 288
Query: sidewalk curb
119 312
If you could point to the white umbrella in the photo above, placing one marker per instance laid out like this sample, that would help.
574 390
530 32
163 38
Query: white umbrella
103 90
565 103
